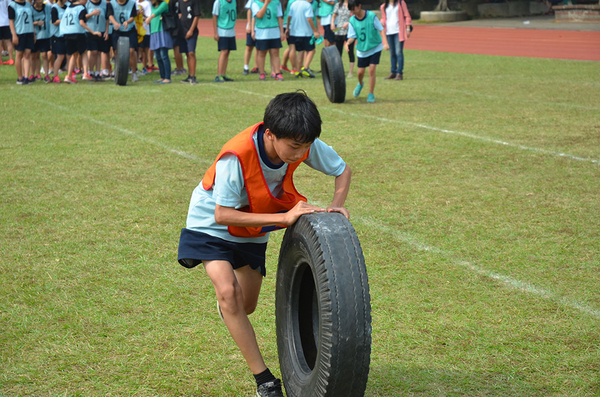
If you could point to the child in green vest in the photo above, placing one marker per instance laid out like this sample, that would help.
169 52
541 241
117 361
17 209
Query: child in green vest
367 31
267 30
224 17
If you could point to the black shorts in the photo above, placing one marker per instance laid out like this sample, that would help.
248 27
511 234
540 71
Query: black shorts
264 45
145 42
250 42
372 60
132 34
182 44
59 46
302 43
328 34
109 43
95 43
26 42
195 247
76 43
42 45
5 33
227 43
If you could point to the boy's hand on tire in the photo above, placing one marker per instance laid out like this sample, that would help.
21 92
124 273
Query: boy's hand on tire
341 210
300 209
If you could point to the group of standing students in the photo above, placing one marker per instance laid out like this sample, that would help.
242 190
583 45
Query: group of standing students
93 27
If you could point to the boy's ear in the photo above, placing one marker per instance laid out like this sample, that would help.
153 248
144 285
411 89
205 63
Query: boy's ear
268 134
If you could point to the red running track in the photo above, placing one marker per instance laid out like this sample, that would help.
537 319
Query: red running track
558 44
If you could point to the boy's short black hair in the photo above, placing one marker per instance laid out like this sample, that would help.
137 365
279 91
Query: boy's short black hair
293 115
354 3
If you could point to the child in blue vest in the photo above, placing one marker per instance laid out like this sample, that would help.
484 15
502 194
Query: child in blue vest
247 192
42 22
250 42
20 19
267 29
367 31
121 14
73 26
224 17
97 45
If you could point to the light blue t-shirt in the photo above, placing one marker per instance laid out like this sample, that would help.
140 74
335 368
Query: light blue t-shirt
222 32
299 12
229 191
352 35
270 33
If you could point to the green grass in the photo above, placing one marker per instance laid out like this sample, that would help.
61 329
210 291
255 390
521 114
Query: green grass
482 256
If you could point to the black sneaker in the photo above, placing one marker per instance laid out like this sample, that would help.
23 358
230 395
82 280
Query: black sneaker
193 80
246 72
187 80
270 389
226 78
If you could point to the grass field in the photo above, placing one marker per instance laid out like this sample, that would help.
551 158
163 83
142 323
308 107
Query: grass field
475 195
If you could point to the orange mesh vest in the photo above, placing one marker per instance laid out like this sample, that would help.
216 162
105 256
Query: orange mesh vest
260 198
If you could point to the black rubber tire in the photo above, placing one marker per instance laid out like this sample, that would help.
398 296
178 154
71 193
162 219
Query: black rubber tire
323 309
122 61
334 77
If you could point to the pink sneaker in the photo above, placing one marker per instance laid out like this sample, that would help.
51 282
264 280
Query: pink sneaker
56 79
70 80
262 77
279 77
86 77
47 79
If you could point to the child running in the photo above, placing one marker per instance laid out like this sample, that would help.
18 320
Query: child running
247 192
367 31
224 16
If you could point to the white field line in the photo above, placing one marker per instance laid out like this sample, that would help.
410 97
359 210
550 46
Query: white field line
125 131
402 237
507 281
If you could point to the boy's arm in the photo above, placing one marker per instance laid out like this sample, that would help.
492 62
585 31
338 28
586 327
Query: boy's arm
15 38
190 32
342 185
314 28
261 13
229 216
216 32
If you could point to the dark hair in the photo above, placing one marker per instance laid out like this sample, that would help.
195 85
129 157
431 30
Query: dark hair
293 115
354 3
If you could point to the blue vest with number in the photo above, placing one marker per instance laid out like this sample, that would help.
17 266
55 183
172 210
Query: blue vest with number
43 32
269 20
122 12
69 23
97 22
227 14
23 17
55 30
367 37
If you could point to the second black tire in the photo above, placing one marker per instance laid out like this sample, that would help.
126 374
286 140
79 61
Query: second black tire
334 77
122 61
323 309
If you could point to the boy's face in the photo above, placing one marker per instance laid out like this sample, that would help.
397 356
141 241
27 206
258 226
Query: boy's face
285 149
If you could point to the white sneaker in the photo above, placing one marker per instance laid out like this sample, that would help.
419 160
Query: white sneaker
134 77
42 71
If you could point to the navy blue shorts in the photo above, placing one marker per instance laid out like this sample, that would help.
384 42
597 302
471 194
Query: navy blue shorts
191 44
5 33
76 43
264 45
250 42
26 42
195 247
42 45
227 43
301 43
59 46
182 44
328 34
372 60
95 43
145 43
132 34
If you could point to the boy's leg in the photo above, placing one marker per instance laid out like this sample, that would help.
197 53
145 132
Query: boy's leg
223 60
19 64
361 75
372 78
231 300
251 281
260 58
308 58
275 61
